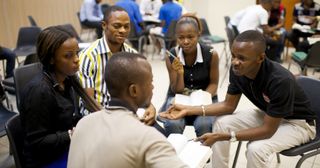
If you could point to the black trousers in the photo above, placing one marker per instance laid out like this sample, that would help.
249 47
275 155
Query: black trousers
94 24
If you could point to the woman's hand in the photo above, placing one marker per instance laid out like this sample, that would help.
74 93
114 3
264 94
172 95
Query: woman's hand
177 65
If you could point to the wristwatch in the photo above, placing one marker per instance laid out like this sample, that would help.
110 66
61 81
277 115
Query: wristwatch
233 136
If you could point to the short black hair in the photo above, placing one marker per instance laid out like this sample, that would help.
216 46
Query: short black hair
123 69
253 36
110 10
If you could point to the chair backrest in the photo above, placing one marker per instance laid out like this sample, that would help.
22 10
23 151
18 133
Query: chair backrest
73 30
226 20
31 58
171 32
205 28
231 35
22 75
311 87
313 58
81 25
32 21
28 36
5 114
133 32
16 139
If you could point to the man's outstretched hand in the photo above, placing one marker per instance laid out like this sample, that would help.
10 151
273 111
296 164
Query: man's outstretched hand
175 112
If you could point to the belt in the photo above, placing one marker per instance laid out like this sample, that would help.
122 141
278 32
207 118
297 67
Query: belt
311 122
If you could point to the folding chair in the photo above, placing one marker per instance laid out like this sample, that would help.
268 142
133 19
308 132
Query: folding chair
26 43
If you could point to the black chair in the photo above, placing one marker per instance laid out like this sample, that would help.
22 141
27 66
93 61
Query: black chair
5 114
311 88
84 28
73 30
8 83
26 43
135 39
169 38
22 75
16 136
307 60
32 21
209 39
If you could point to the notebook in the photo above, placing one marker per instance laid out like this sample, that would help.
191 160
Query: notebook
192 153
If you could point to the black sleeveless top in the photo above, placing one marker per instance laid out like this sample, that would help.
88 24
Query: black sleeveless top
196 76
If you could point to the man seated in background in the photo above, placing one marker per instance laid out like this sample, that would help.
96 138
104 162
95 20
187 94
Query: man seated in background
276 22
283 118
256 18
93 60
91 15
150 9
114 137
9 56
304 14
169 12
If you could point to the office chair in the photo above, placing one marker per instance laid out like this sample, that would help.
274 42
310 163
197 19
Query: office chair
5 113
307 60
22 75
135 39
32 21
207 38
16 139
8 83
26 43
84 28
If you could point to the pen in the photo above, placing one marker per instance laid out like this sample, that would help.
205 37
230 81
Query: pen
169 53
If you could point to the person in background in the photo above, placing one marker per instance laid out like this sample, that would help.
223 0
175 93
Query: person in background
10 57
49 108
117 128
93 60
284 118
276 22
180 3
304 14
169 12
255 17
150 9
91 15
196 66
133 11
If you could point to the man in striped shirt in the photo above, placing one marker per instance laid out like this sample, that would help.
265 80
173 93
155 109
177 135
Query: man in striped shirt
116 26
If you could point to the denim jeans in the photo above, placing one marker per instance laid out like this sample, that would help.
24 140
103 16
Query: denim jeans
10 57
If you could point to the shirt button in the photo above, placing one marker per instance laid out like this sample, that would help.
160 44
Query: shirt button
190 74
191 79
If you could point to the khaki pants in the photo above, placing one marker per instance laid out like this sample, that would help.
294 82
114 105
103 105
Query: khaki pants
289 134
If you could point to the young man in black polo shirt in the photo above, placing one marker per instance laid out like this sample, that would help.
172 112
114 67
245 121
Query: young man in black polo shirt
282 120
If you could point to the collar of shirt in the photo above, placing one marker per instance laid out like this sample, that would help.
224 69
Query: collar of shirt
106 50
199 58
116 103
52 78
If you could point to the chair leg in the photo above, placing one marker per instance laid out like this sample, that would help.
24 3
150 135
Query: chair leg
237 155
278 158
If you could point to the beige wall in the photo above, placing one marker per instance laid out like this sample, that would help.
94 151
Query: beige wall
214 11
13 14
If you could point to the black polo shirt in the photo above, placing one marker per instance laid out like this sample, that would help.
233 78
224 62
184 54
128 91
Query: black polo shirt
275 91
